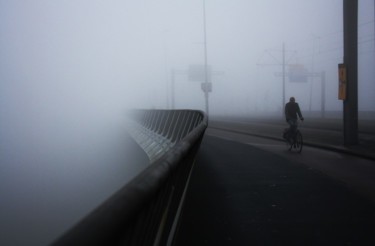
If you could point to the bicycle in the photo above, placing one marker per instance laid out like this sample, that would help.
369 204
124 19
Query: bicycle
294 141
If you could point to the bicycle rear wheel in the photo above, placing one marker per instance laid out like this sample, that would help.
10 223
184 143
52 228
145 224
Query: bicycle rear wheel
298 144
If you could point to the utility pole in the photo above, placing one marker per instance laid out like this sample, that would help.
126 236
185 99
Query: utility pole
172 87
205 59
175 72
312 70
283 98
323 105
284 62
350 104
322 76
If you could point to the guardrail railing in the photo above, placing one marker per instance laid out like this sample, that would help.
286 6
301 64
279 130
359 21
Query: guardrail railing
146 210
157 131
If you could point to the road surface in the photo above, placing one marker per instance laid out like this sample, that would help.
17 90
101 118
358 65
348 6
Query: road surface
252 191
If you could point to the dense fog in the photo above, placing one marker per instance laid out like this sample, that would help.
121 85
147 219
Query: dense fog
70 69
96 56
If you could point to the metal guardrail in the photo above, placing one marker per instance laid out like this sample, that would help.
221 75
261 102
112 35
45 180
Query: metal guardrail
146 210
157 131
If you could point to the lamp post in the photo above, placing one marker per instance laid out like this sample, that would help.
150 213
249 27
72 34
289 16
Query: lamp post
205 57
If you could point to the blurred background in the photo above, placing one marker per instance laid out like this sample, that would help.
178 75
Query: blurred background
70 69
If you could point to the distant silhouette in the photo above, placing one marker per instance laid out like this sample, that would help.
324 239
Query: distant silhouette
292 110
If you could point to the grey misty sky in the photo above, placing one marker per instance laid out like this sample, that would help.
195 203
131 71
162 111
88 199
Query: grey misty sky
104 55
68 69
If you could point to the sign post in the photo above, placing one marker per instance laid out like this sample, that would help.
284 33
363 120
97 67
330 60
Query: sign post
202 73
350 104
342 81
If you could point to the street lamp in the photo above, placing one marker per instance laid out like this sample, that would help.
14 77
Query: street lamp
206 82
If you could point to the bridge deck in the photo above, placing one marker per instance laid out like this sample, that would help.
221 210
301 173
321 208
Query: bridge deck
242 195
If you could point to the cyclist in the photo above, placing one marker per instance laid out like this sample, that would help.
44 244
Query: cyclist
291 111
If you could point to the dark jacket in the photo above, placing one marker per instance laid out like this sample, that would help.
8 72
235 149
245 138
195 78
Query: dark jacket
291 111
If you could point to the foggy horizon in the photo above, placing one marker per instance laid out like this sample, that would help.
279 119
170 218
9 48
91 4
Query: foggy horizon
99 57
70 69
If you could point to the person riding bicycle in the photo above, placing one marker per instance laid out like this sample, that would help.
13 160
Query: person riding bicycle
291 111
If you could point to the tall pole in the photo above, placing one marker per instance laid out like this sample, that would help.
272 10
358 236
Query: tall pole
205 57
350 8
172 87
323 81
283 97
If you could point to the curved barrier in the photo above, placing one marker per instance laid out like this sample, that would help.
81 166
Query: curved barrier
146 210
157 131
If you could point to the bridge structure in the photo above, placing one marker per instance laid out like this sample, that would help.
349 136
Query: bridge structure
231 181
146 210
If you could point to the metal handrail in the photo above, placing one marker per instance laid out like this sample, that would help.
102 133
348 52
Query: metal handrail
145 211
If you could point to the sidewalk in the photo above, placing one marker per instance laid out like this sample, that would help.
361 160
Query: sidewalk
321 133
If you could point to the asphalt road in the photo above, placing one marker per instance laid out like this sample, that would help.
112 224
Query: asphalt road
322 133
252 191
